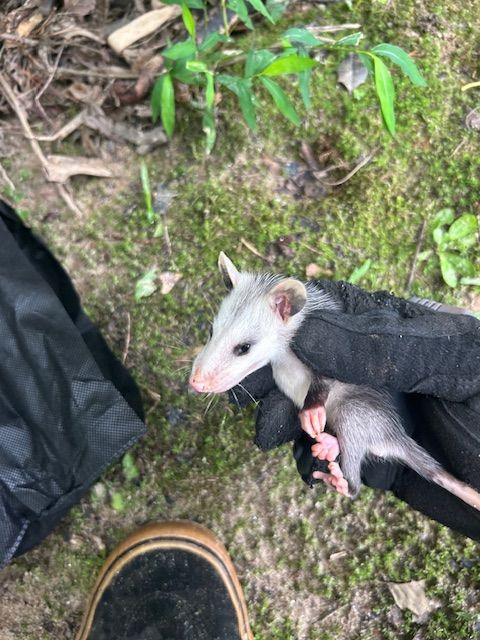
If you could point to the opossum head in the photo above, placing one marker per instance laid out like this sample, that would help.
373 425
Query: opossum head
254 324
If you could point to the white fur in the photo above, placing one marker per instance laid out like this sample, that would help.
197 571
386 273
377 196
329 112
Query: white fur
247 315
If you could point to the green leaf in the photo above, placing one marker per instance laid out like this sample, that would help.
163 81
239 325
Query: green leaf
288 64
241 87
197 66
146 285
280 98
180 50
245 97
463 227
303 36
193 4
438 235
461 264
444 216
257 61
180 72
210 91
352 40
304 78
188 20
471 281
212 40
167 103
209 130
449 272
401 58
367 62
117 501
147 193
277 8
386 93
156 99
358 273
424 255
129 467
241 10
261 8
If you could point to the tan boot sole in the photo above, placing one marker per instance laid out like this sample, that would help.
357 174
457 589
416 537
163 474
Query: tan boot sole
180 534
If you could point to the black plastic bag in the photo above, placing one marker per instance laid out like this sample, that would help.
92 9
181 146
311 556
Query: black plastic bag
68 408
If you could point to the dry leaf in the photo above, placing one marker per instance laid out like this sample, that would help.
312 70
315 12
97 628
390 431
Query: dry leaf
411 596
25 28
60 168
351 72
312 270
169 279
142 26
79 7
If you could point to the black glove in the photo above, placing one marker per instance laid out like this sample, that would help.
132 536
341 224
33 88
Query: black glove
430 360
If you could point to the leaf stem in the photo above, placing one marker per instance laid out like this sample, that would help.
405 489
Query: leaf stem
225 17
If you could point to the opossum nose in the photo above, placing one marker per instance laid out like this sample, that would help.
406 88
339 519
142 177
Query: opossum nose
197 383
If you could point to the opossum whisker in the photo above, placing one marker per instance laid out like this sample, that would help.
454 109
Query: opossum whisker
235 397
210 403
247 392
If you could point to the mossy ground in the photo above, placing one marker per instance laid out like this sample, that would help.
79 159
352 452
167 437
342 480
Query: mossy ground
314 565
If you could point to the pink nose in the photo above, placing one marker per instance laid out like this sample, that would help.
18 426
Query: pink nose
197 383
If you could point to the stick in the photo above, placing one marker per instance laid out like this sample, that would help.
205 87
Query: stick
356 168
127 338
421 237
22 117
6 179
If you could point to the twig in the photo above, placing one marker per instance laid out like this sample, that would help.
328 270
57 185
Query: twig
14 38
110 72
356 168
471 85
51 76
166 237
6 179
413 269
22 117
251 248
331 28
459 146
127 339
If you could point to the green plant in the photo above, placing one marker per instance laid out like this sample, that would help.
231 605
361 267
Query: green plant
454 240
203 64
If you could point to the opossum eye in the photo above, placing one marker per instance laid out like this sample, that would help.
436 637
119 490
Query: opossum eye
242 349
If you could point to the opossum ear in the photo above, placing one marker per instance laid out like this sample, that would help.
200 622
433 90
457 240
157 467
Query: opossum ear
288 297
228 270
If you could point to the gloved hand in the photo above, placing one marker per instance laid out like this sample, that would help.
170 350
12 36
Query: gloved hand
429 360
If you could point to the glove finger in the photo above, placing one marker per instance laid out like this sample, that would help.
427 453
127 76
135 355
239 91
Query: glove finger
277 421
252 388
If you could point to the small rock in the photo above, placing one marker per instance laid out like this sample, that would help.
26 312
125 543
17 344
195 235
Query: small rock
312 270
99 490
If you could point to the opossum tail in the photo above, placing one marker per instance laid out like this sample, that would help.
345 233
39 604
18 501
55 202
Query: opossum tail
412 455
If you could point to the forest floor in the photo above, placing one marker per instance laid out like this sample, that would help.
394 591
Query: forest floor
314 565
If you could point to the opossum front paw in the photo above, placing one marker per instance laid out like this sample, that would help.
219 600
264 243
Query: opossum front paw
334 479
313 420
326 447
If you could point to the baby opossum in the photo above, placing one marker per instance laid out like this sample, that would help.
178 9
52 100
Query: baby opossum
254 326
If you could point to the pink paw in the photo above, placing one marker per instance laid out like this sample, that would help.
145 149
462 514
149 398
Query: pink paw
334 479
326 447
313 420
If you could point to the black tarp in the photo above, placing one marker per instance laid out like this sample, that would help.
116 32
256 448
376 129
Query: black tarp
68 408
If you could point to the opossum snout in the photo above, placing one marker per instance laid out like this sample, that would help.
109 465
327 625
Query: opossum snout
202 382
